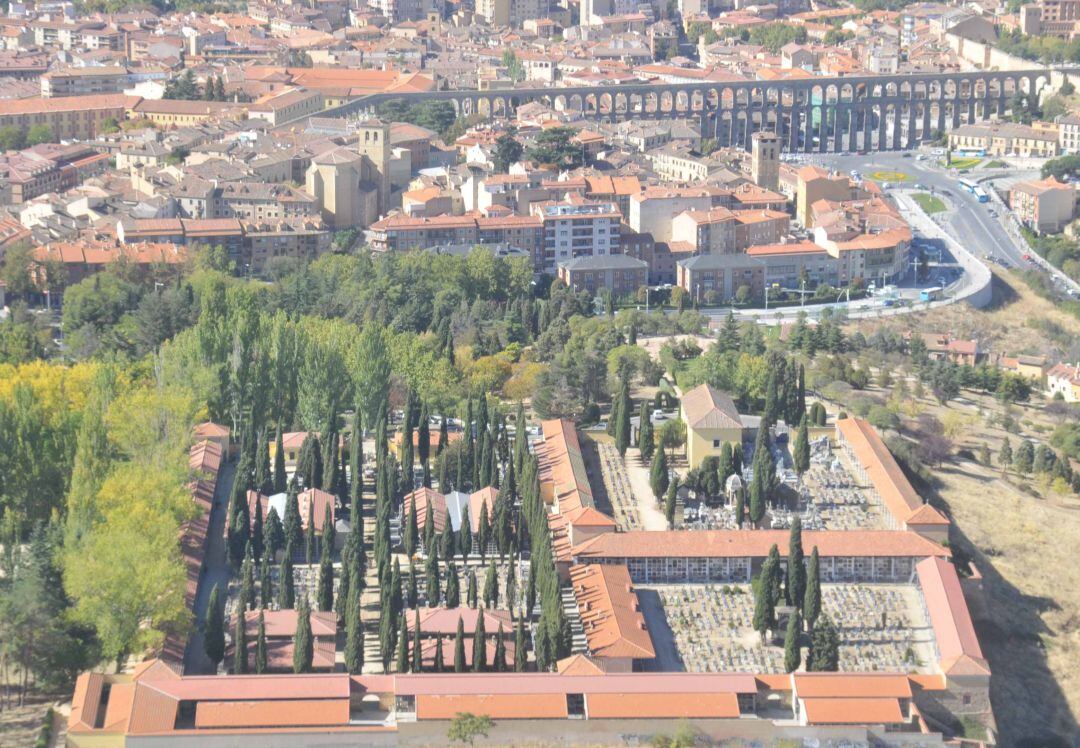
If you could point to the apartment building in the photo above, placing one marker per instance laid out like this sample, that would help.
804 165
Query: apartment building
577 230
287 106
48 168
85 81
69 117
653 210
1046 206
620 274
1038 140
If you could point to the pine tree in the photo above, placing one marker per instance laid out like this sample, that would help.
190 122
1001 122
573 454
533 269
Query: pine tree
645 432
479 651
325 583
459 647
658 475
214 632
521 656
499 665
260 646
796 568
240 653
417 653
1025 457
354 635
824 655
800 454
403 647
281 478
471 595
792 653
812 597
303 641
622 425
670 501
491 587
453 586
286 584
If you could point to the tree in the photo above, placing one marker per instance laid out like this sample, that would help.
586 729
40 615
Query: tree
214 633
499 665
491 587
1025 457
824 652
471 594
240 645
453 586
371 370
260 646
1005 455
403 647
303 641
622 425
646 439
800 454
286 583
521 656
479 651
464 535
670 499
467 727
764 606
796 569
757 497
431 576
325 584
354 635
417 653
792 653
459 647
556 146
658 475
811 608
508 151
39 134
274 533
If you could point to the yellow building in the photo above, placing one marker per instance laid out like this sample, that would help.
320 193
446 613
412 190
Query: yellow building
815 183
711 420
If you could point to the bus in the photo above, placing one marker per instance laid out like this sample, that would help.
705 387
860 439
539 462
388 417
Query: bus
974 189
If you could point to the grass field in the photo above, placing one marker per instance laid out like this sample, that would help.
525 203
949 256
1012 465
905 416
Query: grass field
963 163
929 203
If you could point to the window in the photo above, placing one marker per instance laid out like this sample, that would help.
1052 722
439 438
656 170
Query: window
575 705
716 443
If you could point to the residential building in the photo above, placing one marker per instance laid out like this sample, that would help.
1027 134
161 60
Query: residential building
1063 380
653 210
1038 140
87 81
620 274
286 106
815 183
398 233
1068 126
1046 206
69 118
712 420
717 279
572 230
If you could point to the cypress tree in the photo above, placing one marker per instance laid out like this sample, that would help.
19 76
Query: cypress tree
444 437
800 454
792 654
768 415
258 539
431 574
796 568
1025 457
774 576
240 653
646 438
396 598
499 665
510 587
403 647
483 536
291 524
247 580
459 647
740 508
479 650
453 586
658 475
266 584
309 532
725 467
281 478
325 588
330 453
530 590
303 642
260 646
429 527
214 631
757 497
356 474
423 442
275 533
800 396
622 426
812 597
464 534
471 591
264 475
670 500
328 541
411 530
417 653
824 655
491 587
286 584
764 609
354 635
521 657
446 540
386 637
440 666
413 596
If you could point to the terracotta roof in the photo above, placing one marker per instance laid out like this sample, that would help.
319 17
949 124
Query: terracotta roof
425 497
957 644
443 620
663 705
547 683
276 713
496 705
896 492
578 664
562 466
851 685
784 248
706 407
610 612
755 544
852 711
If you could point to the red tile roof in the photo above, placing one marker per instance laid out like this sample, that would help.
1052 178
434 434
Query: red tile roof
610 612
852 711
957 644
